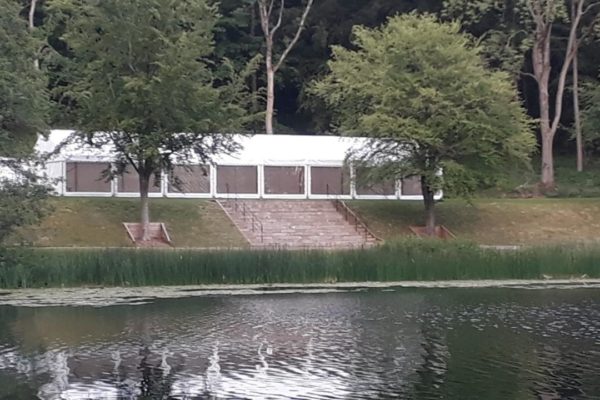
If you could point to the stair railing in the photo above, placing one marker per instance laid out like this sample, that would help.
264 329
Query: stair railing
255 222
351 217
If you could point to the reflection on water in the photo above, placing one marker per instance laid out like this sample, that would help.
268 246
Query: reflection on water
409 343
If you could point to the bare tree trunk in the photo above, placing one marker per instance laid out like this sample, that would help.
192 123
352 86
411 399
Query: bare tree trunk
36 61
429 202
254 78
265 11
547 162
577 112
270 101
270 91
144 206
541 71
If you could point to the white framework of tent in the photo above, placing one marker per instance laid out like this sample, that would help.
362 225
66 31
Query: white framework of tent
258 151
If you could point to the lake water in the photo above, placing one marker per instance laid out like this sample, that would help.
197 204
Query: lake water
403 343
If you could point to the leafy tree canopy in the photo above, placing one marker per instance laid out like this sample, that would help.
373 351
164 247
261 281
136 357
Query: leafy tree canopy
23 97
421 92
141 73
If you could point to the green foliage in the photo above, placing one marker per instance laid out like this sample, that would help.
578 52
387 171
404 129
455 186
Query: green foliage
420 91
21 203
141 70
23 97
405 260
590 117
506 27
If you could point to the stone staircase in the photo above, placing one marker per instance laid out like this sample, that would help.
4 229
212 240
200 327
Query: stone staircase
298 223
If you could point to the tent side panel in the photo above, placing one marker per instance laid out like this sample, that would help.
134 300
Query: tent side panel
190 179
364 187
237 179
129 182
284 180
330 181
86 177
411 186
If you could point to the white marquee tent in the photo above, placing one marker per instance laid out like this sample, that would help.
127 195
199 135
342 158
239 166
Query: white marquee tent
266 166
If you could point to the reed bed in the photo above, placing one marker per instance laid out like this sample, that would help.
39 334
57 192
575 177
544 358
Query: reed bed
408 260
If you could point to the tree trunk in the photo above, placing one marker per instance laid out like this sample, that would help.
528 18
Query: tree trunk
541 68
429 202
144 207
36 61
265 10
254 78
270 93
577 112
547 162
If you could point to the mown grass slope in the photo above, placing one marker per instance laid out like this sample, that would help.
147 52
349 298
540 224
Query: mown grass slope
537 221
97 222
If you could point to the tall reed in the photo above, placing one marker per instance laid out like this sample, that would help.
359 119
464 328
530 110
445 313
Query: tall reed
404 260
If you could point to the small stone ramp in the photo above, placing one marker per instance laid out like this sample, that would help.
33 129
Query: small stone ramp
298 224
159 237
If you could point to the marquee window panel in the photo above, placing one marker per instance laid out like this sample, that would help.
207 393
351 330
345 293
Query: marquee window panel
284 180
329 180
190 179
87 177
129 182
237 179
365 187
411 186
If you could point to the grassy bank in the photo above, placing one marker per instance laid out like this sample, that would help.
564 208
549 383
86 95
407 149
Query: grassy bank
406 260
537 221
97 222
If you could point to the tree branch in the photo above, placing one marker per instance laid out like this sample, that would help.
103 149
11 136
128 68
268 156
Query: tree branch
569 54
296 37
264 17
589 7
529 74
279 19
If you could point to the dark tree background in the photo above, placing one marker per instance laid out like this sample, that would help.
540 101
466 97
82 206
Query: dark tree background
330 22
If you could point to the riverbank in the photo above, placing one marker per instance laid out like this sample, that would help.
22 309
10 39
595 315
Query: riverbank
407 260
108 296
493 221
194 223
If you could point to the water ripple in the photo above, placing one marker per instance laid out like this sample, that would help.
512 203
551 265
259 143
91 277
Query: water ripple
406 343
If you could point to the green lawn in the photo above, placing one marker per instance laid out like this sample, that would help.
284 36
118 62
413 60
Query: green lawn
536 221
98 222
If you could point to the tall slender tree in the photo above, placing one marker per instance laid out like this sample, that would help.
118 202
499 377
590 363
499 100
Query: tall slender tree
271 20
535 20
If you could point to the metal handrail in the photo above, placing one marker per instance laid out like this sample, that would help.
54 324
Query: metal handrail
255 222
348 214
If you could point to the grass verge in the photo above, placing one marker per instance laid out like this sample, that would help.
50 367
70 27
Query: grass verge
97 222
537 221
420 260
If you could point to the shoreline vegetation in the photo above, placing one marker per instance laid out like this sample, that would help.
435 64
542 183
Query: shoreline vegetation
404 260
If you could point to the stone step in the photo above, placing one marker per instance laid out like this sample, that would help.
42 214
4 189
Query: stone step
295 223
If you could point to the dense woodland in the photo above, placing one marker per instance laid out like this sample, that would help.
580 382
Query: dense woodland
238 36
270 66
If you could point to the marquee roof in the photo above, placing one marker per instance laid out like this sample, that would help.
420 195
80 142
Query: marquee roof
256 149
